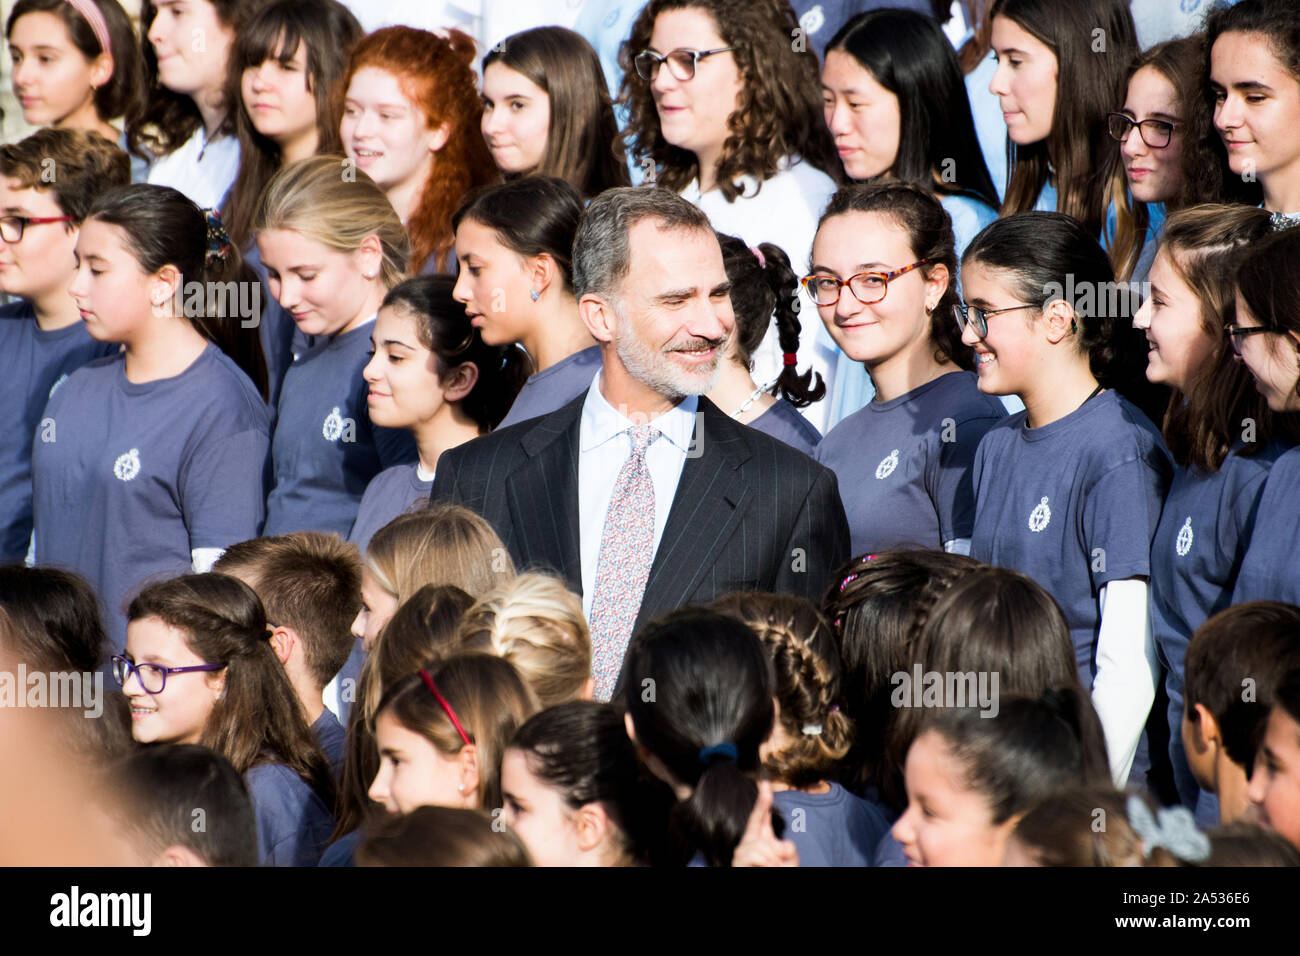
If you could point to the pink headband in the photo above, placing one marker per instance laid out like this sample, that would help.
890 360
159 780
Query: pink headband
762 260
91 13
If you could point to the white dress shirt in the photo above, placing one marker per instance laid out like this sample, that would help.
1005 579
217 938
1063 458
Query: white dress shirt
204 171
604 446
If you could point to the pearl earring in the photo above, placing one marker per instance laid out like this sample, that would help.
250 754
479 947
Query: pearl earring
534 294
460 787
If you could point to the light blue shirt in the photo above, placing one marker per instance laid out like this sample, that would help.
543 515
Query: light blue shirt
604 446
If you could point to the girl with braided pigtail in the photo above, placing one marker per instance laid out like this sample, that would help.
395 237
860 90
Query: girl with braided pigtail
828 825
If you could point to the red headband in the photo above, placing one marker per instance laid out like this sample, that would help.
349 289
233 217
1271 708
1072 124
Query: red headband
428 682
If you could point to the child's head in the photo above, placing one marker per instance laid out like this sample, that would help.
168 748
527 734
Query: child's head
154 795
576 793
431 368
442 544
902 309
199 668
411 122
971 777
1193 298
1247 844
535 623
513 240
1049 274
1268 286
37 259
547 111
284 75
810 735
1234 665
74 64
1275 784
698 691
1084 826
441 734
878 606
310 586
439 836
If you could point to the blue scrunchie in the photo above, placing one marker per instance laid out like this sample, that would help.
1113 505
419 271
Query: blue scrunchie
725 749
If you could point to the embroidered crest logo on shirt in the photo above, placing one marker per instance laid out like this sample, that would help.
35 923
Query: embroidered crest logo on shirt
813 20
127 466
887 465
333 427
1040 517
1185 537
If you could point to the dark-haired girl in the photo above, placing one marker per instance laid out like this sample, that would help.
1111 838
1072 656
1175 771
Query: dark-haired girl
971 778
883 275
1068 491
735 130
430 373
1266 334
1220 431
577 795
1254 67
198 669
152 459
515 244
547 111
75 65
701 728
763 285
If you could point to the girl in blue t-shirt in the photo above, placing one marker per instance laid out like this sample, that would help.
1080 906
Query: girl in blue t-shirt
1068 491
332 247
883 277
970 780
1219 429
198 669
811 735
431 374
150 461
1266 335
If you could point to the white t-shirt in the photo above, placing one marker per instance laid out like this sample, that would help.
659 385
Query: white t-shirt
203 171
784 212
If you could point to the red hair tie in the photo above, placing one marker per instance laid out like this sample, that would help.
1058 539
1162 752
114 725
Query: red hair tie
790 358
428 682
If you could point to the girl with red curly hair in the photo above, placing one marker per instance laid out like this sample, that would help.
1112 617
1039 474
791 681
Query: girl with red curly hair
411 122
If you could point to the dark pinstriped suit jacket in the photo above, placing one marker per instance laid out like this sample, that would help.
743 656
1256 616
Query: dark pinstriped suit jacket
751 513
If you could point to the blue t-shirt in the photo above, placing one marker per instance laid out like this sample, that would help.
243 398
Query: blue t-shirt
1269 571
325 451
1073 504
392 492
342 851
129 477
904 466
279 333
553 388
330 735
785 423
831 829
889 852
32 363
293 823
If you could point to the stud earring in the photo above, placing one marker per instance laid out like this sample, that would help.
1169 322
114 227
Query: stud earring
460 787
534 294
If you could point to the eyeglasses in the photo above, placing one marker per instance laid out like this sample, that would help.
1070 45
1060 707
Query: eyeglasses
1155 133
152 677
681 63
979 318
867 287
12 227
1237 332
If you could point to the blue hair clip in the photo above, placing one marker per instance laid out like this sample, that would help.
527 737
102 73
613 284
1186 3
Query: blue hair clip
725 749
1172 828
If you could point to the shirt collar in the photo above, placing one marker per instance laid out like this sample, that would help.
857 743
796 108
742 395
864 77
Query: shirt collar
601 421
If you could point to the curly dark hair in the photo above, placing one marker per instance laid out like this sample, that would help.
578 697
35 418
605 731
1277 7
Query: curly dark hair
778 114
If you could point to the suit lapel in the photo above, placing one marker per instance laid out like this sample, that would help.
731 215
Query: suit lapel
543 495
710 499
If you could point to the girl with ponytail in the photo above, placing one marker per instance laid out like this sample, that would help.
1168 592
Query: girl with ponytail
971 778
811 735
763 288
699 692
152 458
199 668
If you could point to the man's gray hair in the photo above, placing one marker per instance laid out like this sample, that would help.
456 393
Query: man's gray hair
601 255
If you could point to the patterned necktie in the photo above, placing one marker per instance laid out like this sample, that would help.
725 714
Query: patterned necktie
626 551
